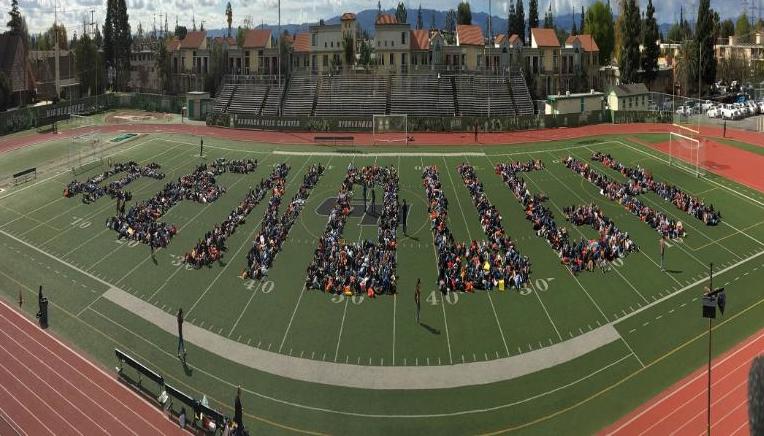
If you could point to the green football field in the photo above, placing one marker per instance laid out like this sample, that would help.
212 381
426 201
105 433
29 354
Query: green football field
566 354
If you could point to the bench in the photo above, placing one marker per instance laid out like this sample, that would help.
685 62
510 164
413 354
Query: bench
196 407
139 367
334 140
24 176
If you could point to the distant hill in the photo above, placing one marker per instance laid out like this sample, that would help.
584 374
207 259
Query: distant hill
368 17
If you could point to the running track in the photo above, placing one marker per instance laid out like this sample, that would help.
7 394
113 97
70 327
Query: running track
47 388
681 409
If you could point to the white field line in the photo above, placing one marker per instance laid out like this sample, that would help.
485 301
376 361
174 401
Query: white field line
4 416
632 351
383 155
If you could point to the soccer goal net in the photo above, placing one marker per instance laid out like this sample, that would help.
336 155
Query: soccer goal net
391 129
85 153
687 152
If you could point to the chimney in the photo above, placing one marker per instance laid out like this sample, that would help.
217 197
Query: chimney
732 40
758 38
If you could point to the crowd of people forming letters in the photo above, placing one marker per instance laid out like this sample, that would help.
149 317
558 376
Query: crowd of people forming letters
367 267
92 190
625 194
642 180
141 222
577 255
274 229
485 265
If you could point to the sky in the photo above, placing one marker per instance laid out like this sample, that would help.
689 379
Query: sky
40 13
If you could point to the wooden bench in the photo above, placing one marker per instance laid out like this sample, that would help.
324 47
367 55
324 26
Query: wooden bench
333 140
24 176
142 370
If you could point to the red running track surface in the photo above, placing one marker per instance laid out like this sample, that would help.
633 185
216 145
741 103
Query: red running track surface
47 388
681 409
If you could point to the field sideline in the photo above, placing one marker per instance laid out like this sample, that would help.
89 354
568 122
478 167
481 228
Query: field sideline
64 244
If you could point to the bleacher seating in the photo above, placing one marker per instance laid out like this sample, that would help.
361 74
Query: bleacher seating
224 98
300 96
352 95
248 99
521 95
475 92
425 95
273 101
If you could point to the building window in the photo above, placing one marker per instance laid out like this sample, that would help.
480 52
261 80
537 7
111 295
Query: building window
392 58
403 59
582 105
314 40
326 60
403 38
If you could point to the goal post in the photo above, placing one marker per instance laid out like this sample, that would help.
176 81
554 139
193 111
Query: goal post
85 153
687 152
391 129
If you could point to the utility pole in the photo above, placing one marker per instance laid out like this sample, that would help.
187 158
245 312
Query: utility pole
279 56
55 31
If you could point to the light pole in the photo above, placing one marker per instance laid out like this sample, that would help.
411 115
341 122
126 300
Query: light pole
711 299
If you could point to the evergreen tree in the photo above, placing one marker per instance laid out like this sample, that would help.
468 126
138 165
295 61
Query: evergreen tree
419 18
433 25
533 14
583 16
511 19
628 61
649 41
5 92
464 13
124 39
15 23
704 36
401 15
520 23
379 8
743 29
549 18
727 29
574 29
108 33
229 17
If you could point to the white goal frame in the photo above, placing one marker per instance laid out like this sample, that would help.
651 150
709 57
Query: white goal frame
384 133
695 156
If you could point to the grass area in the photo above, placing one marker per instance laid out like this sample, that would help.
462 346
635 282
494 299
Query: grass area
742 145
659 345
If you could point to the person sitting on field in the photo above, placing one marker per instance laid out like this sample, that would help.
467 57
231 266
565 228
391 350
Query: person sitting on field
644 180
358 268
92 190
274 228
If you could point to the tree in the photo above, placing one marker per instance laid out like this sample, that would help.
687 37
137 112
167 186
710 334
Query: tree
628 61
520 20
379 8
401 14
56 32
743 29
348 49
583 16
549 18
109 42
450 25
5 92
181 32
123 46
15 24
704 35
365 55
89 70
599 24
419 18
533 14
163 64
726 29
217 68
574 28
511 18
464 13
732 68
432 21
650 44
229 17
687 67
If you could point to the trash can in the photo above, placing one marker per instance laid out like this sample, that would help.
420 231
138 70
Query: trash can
42 313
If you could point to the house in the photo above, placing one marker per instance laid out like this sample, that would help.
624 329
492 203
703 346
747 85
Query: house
392 44
43 69
543 61
301 53
421 56
632 97
14 65
144 74
574 103
326 43
582 57
469 39
258 52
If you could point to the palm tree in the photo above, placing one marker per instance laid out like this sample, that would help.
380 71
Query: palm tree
229 17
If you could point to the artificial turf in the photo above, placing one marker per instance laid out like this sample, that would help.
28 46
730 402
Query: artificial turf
383 332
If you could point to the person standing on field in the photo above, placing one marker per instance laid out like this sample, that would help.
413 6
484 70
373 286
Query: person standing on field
662 242
404 216
181 343
418 298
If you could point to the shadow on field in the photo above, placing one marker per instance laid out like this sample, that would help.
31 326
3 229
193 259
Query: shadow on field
430 329
674 271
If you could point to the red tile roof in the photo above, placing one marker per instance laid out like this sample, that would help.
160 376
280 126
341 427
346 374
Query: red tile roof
302 43
193 40
545 37
173 44
587 42
514 38
469 35
420 39
500 38
348 16
231 42
386 19
256 38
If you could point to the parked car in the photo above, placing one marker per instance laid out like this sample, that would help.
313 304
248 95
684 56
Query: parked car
706 105
684 111
729 112
714 112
